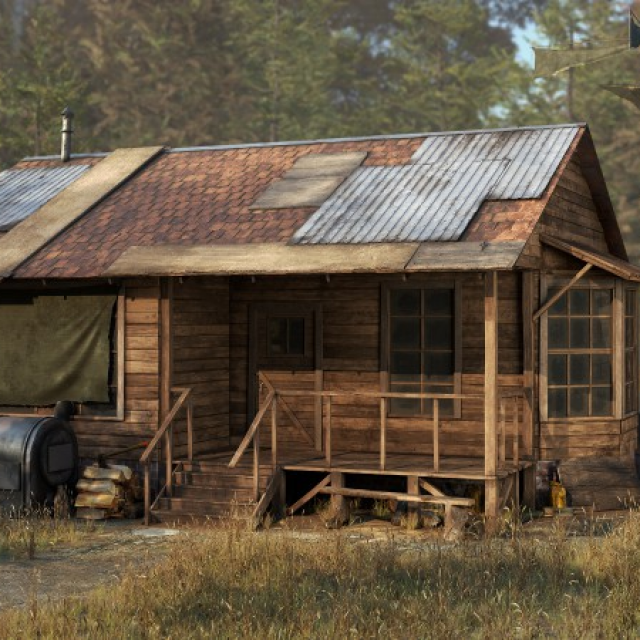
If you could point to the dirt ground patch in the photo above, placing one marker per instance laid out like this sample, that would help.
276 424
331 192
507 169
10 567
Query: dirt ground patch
68 571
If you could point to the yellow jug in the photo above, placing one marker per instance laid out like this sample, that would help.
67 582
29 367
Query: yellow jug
558 495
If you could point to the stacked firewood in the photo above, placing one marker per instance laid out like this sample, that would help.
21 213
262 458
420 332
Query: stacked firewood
110 491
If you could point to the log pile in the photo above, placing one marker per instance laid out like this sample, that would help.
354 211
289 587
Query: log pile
105 492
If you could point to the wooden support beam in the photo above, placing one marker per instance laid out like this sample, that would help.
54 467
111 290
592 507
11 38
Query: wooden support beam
430 489
337 499
166 371
274 434
491 504
491 393
383 433
327 431
309 495
317 418
413 488
528 363
266 499
436 435
554 298
490 372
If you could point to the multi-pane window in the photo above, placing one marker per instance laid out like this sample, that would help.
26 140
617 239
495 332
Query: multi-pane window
580 356
630 351
421 347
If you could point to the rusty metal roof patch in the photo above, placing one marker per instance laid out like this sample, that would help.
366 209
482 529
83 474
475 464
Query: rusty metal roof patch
24 191
435 197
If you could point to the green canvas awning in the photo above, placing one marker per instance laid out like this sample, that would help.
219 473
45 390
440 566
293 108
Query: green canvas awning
54 347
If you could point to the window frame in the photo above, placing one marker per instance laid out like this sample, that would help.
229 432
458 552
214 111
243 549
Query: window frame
592 282
453 283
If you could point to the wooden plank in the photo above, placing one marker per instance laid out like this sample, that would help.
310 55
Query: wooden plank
249 435
383 433
609 263
258 259
267 497
166 359
528 362
312 493
392 495
429 488
556 296
491 375
465 256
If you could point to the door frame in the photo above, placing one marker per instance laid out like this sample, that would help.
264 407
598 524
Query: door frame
283 309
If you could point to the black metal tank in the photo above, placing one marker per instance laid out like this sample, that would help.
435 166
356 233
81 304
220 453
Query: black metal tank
37 455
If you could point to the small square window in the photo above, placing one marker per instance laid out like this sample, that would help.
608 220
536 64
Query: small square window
285 336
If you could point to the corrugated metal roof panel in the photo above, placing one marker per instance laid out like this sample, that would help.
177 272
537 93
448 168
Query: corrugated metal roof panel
24 191
436 196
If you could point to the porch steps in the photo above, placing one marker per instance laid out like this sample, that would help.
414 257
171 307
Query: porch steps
601 482
211 491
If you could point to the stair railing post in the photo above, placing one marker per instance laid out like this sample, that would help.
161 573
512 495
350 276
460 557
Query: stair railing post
274 434
503 433
190 430
147 494
383 433
256 464
327 431
516 432
169 460
436 434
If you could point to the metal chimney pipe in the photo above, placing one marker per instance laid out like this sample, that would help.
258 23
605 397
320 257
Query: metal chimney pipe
67 130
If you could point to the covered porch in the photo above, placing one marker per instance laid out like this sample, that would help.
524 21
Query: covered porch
337 424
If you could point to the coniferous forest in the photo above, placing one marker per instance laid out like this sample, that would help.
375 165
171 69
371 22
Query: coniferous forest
142 72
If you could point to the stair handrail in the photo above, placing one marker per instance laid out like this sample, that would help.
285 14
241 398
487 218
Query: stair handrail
165 427
251 432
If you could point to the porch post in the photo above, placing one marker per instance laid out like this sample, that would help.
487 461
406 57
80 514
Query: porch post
492 501
166 366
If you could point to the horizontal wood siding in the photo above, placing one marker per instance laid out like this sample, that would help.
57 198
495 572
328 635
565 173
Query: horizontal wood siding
570 215
575 439
351 339
629 437
201 360
141 379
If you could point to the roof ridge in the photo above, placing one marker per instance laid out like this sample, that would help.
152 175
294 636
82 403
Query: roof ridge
293 143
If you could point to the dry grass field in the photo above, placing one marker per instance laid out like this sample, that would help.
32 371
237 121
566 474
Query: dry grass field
281 583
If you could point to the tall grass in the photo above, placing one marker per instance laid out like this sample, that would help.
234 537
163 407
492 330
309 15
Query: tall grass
229 584
24 534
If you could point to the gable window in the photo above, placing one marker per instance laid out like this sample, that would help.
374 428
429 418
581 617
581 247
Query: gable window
421 347
580 354
630 351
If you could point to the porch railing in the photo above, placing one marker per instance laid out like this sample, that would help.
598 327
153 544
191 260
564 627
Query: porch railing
275 401
166 431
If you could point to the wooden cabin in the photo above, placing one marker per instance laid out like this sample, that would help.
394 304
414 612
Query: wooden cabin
387 316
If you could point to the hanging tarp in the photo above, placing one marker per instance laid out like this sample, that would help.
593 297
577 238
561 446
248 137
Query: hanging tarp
634 30
54 347
550 62
626 92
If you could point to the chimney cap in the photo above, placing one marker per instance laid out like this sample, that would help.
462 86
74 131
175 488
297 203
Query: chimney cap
67 112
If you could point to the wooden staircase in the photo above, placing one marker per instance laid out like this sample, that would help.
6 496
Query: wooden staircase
210 491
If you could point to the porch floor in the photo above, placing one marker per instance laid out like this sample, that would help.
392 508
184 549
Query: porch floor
397 464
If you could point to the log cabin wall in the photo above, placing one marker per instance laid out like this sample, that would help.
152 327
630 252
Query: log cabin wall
572 215
141 377
200 345
351 334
